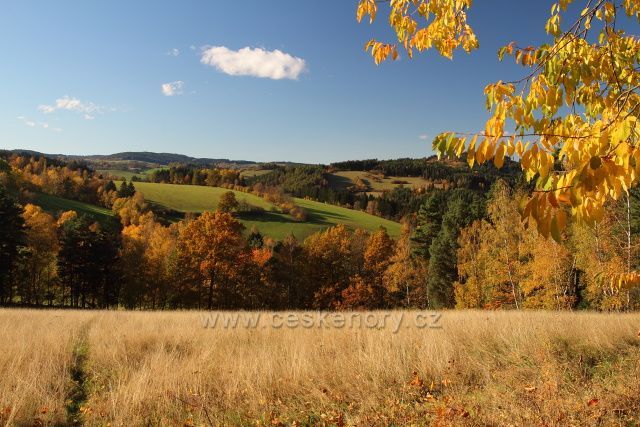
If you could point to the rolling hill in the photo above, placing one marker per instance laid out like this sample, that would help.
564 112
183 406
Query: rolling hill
191 198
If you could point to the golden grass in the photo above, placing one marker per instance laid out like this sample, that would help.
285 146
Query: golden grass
480 368
36 354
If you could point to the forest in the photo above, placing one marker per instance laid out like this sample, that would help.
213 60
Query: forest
460 248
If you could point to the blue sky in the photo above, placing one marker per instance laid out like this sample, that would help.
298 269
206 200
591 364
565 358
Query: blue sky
85 77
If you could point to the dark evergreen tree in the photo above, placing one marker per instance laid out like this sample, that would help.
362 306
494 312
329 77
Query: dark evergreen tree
429 222
126 190
110 186
12 237
255 240
462 208
86 263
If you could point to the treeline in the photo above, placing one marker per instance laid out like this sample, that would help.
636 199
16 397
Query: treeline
206 262
480 254
463 252
457 173
313 182
462 248
397 167
73 180
195 175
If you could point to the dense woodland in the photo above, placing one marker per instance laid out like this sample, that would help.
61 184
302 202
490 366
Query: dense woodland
314 181
461 247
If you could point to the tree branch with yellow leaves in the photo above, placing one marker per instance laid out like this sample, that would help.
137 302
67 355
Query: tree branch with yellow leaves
571 120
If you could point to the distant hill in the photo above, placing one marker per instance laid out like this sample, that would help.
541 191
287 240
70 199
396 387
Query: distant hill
148 160
162 159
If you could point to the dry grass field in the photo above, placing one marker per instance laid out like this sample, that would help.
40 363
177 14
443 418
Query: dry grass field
166 368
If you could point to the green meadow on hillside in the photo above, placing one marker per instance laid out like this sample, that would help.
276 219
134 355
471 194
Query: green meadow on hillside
191 198
121 173
55 204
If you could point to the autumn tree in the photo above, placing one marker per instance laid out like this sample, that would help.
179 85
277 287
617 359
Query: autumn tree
130 209
377 258
609 248
228 202
405 279
473 288
213 245
148 263
38 266
549 277
330 265
502 264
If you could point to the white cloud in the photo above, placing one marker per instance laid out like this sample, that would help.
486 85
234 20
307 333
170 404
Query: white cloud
89 117
26 121
256 62
46 109
74 104
173 88
423 137
33 124
173 52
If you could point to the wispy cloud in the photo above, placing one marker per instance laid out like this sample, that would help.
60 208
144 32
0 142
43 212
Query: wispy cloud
172 88
87 109
173 52
26 121
253 62
423 137
32 124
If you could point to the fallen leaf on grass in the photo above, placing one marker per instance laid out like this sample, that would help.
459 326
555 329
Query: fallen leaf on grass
416 381
593 402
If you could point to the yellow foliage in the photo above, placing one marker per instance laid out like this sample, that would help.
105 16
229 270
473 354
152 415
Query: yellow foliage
573 117
421 25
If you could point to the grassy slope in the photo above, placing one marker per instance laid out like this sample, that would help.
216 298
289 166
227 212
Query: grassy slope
255 172
347 178
121 173
191 198
55 204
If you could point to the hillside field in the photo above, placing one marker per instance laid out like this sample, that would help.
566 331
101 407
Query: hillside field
127 173
192 198
375 183
55 205
466 368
